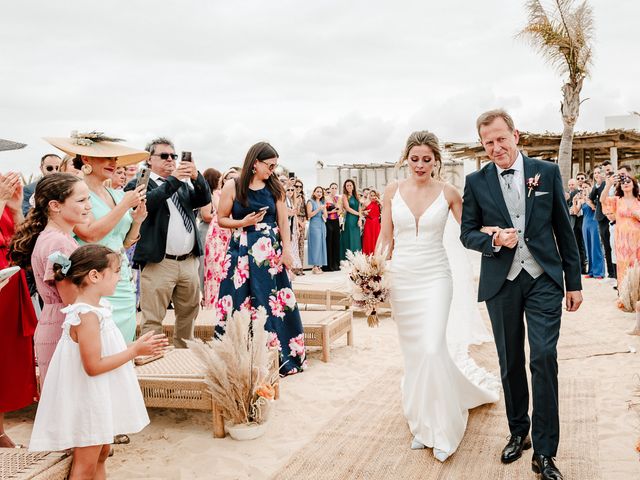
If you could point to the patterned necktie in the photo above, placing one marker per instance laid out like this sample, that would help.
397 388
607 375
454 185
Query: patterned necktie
185 218
513 192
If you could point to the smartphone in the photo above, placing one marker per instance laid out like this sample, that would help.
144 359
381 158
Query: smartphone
143 177
292 174
186 157
8 272
262 209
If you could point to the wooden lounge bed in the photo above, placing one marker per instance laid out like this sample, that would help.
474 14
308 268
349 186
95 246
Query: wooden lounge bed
177 381
322 328
20 464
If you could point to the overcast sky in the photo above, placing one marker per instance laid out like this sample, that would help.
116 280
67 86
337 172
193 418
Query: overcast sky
327 80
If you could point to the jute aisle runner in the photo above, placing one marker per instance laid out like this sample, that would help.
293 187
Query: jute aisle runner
369 439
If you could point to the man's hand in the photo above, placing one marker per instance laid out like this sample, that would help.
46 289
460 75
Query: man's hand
184 171
507 237
573 300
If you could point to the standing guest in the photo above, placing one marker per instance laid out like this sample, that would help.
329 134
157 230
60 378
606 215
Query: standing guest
290 202
582 205
18 320
317 215
119 178
67 166
169 247
91 394
215 246
254 207
132 172
205 215
605 171
575 187
301 209
364 199
371 223
332 201
49 163
625 205
111 223
350 238
62 203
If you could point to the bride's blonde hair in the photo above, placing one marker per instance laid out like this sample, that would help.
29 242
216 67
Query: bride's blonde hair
423 137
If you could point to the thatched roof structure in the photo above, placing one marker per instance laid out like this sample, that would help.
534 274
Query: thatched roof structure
589 149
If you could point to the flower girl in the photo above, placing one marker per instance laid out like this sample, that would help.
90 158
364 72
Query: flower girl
91 392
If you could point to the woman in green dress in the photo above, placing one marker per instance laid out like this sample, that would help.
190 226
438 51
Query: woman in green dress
113 223
350 238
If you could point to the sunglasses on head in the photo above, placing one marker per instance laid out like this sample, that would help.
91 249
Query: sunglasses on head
166 156
51 168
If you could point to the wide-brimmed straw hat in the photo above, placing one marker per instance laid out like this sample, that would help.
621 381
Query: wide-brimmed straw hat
97 144
6 145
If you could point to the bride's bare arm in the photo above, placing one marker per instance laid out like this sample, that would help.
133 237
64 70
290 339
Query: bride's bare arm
455 201
385 240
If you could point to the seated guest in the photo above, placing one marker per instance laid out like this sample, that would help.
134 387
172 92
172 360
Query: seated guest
169 246
49 163
18 319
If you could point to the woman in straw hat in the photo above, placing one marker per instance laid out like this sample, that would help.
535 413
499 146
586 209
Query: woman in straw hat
18 319
113 223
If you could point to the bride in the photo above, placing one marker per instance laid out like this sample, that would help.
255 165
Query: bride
438 389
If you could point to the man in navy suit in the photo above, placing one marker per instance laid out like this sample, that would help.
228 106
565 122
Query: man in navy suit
527 260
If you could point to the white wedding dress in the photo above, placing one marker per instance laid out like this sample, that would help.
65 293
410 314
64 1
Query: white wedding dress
437 391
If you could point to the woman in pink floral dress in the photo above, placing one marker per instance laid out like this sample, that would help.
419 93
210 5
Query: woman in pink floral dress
215 247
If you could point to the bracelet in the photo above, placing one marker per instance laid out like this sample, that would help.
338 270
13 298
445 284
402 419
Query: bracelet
131 242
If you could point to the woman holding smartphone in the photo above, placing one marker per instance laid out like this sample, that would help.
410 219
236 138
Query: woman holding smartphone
254 272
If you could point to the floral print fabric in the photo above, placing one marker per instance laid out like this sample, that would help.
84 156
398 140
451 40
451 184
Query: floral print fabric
252 276
216 260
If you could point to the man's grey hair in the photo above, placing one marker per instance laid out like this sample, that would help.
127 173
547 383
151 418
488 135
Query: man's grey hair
151 146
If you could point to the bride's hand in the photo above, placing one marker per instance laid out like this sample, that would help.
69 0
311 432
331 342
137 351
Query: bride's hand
490 230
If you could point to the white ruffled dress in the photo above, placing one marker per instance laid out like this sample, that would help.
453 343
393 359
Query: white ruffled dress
78 410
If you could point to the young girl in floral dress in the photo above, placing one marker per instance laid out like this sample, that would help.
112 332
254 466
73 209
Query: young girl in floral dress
259 251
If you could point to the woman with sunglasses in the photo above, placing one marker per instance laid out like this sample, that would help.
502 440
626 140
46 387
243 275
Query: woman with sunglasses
301 216
625 205
290 201
215 244
259 251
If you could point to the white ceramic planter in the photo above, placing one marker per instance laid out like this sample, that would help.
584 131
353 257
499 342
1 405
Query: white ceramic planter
246 432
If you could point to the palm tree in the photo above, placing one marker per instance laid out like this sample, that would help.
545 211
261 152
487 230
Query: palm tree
563 33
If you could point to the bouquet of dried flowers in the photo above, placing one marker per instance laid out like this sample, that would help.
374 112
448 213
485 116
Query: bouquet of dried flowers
370 285
237 368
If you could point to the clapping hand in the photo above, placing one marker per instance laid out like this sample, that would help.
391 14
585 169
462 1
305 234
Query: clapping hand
9 183
151 344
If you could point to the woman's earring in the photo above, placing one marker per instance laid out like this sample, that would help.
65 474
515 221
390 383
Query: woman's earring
253 170
87 169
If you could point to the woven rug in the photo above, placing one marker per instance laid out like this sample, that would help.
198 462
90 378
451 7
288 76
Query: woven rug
369 439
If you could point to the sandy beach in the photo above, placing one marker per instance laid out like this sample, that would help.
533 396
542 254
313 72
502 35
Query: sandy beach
179 444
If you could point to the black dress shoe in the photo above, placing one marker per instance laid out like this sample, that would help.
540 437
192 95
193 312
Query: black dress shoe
544 465
513 450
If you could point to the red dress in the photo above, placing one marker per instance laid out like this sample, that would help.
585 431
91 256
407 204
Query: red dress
371 228
18 323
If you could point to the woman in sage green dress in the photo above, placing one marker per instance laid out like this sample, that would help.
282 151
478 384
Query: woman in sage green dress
113 223
350 237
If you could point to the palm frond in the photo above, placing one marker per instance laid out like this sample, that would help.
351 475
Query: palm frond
562 34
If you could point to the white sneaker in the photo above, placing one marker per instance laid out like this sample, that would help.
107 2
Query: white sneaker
416 445
440 455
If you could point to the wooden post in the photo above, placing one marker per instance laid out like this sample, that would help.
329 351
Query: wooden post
218 421
326 343
478 163
581 160
614 157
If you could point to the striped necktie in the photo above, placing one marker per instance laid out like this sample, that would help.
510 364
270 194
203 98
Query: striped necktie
185 218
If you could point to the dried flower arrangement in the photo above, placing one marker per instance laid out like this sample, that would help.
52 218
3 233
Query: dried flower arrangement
370 285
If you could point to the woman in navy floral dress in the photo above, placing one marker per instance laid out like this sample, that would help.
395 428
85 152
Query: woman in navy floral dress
259 255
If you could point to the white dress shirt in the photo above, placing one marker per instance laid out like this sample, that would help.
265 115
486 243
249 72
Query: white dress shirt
179 240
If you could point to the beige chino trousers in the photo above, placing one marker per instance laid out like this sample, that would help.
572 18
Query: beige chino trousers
170 280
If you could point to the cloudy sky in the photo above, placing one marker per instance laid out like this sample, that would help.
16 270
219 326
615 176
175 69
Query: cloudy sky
327 80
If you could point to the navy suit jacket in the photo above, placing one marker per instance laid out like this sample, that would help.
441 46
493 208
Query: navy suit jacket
548 232
153 232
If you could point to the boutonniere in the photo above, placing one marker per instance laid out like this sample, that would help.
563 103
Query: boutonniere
533 183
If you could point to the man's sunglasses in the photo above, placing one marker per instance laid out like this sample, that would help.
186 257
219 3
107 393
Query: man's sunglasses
51 168
298 186
166 156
